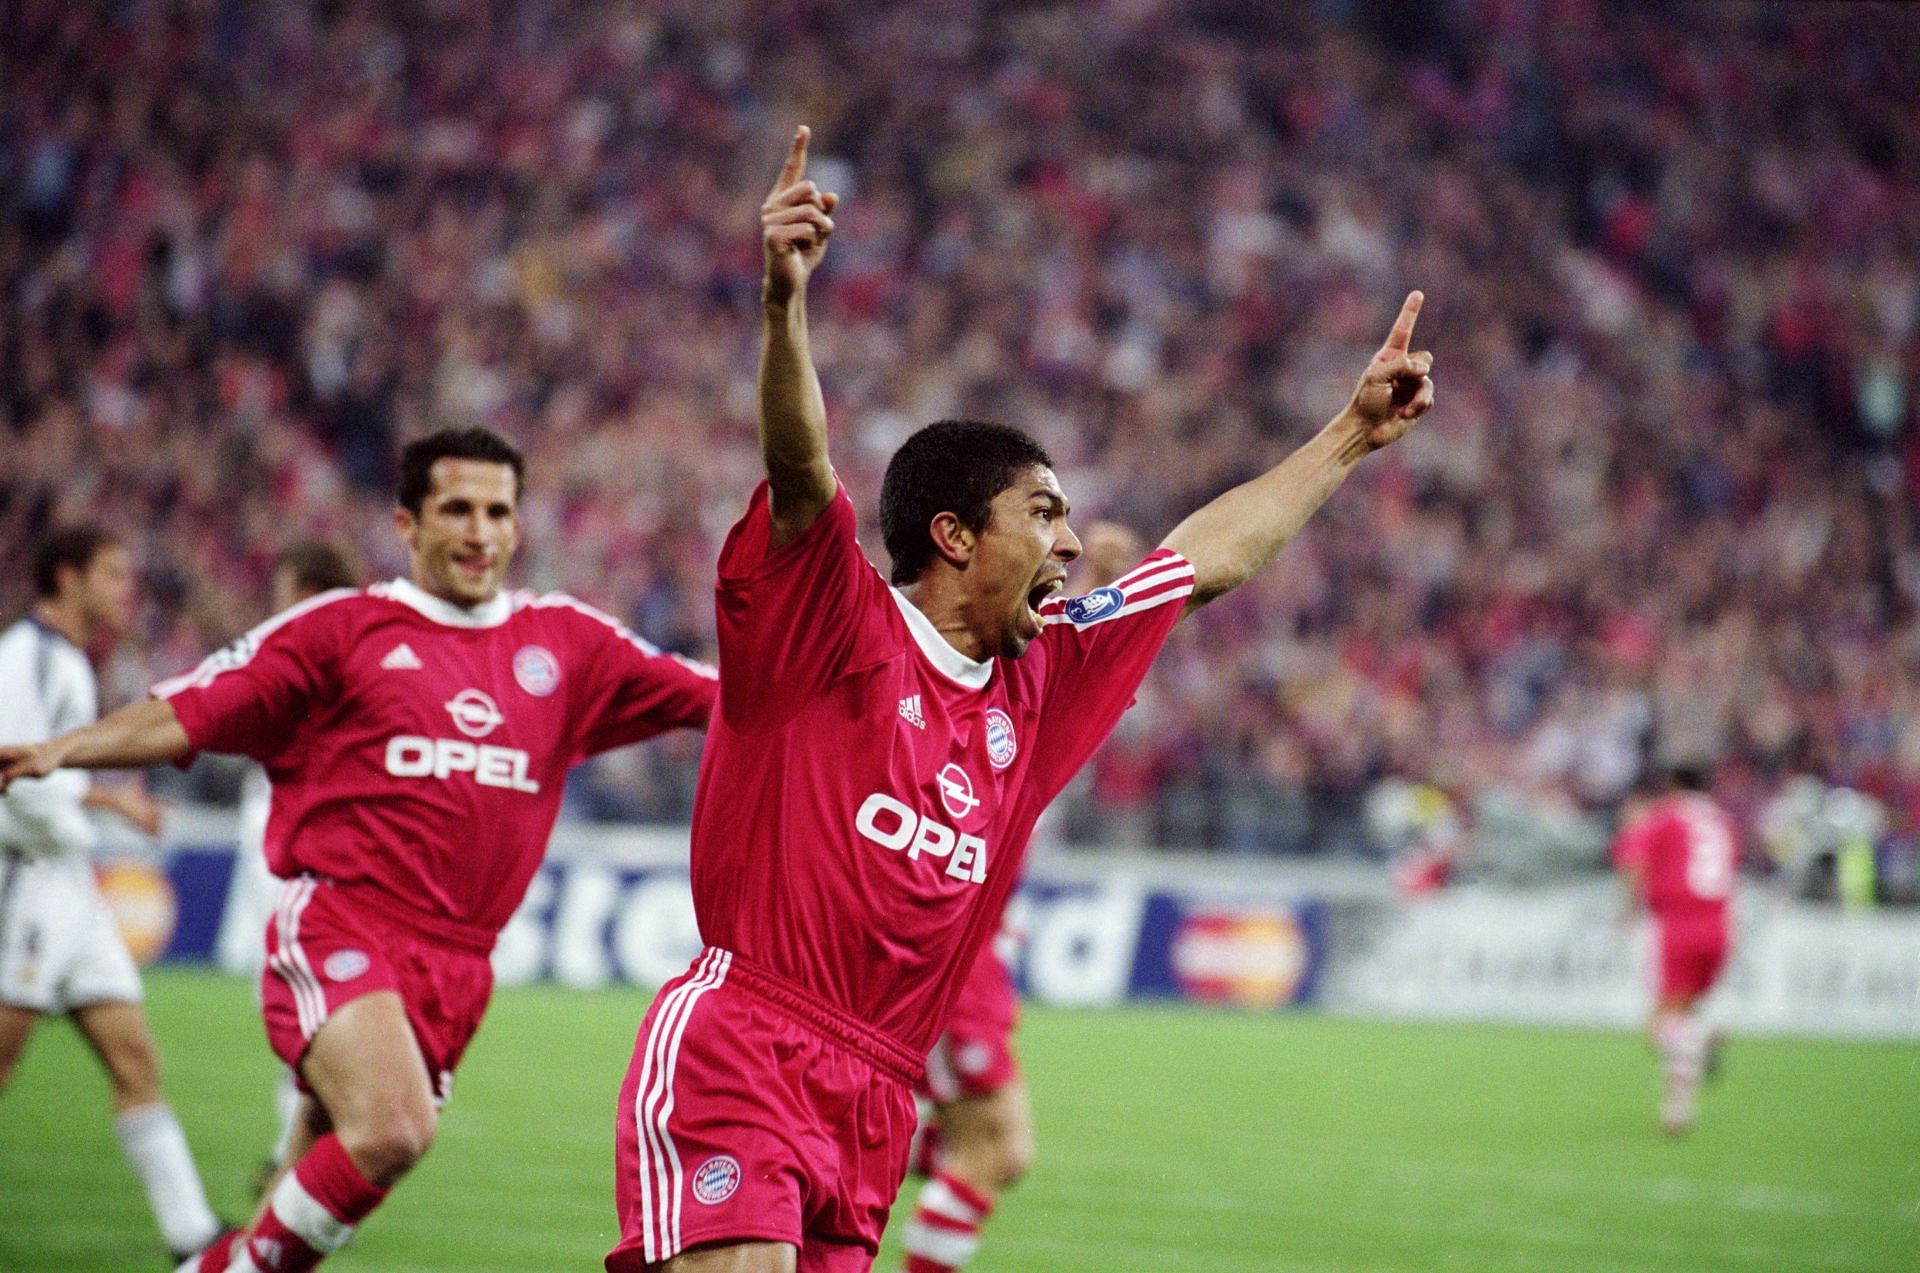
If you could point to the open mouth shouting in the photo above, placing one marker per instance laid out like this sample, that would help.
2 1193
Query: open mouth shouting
1038 594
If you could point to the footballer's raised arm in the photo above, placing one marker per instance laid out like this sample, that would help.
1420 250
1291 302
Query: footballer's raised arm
140 734
1234 535
795 223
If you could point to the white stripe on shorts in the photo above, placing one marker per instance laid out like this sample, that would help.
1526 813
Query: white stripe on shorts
660 1171
942 1079
289 961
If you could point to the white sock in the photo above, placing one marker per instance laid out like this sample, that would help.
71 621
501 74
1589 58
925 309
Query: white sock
286 1102
1683 1047
157 1148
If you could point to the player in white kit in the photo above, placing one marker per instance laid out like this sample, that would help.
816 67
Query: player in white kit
60 951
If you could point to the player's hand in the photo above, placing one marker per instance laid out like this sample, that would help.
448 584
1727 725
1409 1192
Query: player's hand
1397 387
795 224
132 803
1107 551
26 761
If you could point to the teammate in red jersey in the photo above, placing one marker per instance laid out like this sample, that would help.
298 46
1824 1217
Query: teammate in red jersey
878 760
417 734
1678 857
975 1139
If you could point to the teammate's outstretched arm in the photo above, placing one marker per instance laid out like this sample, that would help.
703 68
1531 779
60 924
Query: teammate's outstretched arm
140 734
795 223
1231 537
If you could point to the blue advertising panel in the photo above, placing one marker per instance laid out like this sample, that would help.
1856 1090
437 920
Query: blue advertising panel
1072 942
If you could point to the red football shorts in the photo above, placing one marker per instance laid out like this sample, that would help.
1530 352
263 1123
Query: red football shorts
754 1112
326 946
974 1058
1693 950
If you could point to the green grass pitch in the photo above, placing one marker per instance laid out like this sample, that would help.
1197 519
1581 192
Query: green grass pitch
1171 1140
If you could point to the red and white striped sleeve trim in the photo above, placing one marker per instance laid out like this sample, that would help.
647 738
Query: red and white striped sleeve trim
561 601
240 653
1163 577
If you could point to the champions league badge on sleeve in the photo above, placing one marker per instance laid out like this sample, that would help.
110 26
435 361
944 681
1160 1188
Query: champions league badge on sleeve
537 670
1101 603
1002 747
716 1179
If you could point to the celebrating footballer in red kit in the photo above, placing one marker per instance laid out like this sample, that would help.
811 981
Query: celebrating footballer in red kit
881 748
418 735
975 1138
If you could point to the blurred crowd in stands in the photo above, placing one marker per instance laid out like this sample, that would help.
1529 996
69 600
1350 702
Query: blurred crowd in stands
1664 511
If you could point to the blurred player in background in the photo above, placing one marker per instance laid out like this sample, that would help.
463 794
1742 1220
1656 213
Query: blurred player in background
302 571
1678 857
418 735
976 1125
879 758
60 950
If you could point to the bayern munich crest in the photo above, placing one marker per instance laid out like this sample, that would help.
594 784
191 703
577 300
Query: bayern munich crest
716 1179
537 670
1001 745
345 965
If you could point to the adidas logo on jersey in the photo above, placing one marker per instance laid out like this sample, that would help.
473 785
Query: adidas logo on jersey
401 658
910 711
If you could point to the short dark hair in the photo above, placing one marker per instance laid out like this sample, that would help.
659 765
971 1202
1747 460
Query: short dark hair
71 546
317 566
952 466
1691 775
418 457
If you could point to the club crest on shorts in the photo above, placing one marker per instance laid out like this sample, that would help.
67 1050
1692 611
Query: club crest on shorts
973 1060
345 965
537 670
1101 603
1001 745
716 1179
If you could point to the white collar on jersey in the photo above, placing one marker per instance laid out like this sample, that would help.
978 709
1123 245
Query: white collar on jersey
488 614
950 662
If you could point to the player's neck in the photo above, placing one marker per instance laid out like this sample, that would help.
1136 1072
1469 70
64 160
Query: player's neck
946 609
447 598
64 617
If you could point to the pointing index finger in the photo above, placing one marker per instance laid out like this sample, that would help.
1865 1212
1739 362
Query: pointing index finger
1401 337
796 166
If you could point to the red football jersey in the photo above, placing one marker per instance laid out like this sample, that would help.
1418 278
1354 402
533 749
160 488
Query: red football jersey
421 748
1687 848
867 791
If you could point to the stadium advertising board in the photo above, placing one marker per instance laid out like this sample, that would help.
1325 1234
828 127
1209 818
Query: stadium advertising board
1082 942
619 912
1563 955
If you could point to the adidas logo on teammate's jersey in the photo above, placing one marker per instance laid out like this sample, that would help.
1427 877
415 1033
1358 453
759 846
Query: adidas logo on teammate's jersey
910 711
401 658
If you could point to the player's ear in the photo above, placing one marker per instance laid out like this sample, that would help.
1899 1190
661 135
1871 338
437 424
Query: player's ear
952 538
405 522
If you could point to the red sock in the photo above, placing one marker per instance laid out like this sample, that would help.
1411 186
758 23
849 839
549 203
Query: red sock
924 1155
216 1257
945 1232
311 1214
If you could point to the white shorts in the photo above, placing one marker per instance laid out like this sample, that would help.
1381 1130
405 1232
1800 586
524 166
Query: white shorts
59 946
